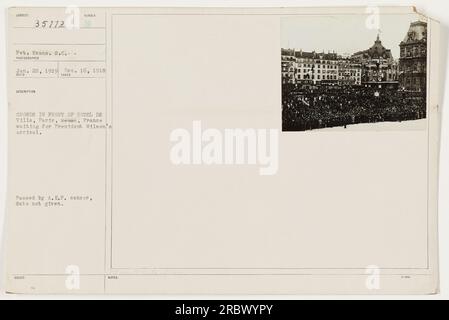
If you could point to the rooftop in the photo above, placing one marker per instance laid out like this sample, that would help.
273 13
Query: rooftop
376 51
416 32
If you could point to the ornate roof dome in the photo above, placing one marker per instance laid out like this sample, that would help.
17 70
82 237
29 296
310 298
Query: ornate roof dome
377 51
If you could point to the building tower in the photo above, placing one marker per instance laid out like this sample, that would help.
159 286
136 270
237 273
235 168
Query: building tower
378 65
413 58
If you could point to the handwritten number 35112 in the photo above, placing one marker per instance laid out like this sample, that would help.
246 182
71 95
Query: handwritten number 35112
49 24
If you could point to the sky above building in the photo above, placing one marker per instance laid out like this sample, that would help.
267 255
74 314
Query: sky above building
344 34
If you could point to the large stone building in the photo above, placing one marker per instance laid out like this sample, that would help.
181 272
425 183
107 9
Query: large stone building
288 66
300 67
349 72
378 65
316 67
413 58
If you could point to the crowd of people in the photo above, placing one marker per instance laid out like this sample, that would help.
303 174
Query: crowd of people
306 108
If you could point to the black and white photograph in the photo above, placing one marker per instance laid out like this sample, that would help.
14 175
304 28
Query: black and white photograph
224 159
341 71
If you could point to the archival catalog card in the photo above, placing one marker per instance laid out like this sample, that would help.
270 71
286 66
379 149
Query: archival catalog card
222 151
